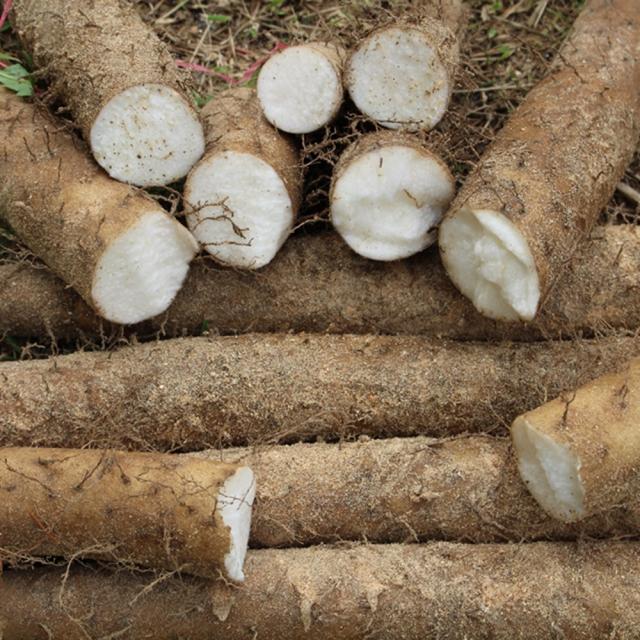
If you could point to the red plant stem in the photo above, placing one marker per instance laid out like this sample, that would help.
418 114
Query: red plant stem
5 12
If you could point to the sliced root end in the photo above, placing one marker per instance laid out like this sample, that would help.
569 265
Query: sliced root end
387 202
489 260
147 136
550 471
235 501
140 273
397 78
300 90
240 209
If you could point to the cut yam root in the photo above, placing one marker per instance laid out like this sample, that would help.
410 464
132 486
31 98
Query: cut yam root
402 75
513 231
121 251
196 393
301 88
388 196
580 454
463 489
318 284
120 83
438 591
243 196
157 511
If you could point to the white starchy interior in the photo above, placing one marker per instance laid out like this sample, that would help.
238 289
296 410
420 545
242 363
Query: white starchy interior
241 210
235 501
397 78
300 90
140 272
387 202
147 135
550 471
489 260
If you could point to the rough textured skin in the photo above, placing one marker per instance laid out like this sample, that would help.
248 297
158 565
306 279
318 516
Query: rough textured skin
600 424
440 591
60 204
149 509
556 163
233 121
92 50
317 284
403 490
196 393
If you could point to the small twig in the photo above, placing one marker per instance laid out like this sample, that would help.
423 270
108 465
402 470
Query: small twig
629 192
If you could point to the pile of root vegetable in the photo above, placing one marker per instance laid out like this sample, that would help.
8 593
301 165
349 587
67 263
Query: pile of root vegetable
397 393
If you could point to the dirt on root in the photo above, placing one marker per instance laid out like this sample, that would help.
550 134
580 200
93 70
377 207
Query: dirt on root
506 49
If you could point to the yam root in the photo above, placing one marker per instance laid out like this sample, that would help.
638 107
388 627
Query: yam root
439 591
301 89
120 83
579 454
465 489
388 195
318 284
117 248
514 229
197 393
243 196
154 510
402 75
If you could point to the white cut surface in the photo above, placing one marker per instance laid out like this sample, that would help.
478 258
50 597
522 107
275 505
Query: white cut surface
397 78
550 471
300 90
241 210
147 136
489 261
140 272
235 501
387 202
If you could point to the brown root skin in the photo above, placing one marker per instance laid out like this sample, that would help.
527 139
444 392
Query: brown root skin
596 427
59 203
92 51
318 284
556 163
463 489
434 592
197 393
152 510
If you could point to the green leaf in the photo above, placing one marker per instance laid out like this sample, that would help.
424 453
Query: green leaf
505 51
492 33
218 17
17 79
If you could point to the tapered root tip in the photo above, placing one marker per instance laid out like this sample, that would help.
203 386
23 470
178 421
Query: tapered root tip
490 262
235 501
300 90
397 78
550 471
141 271
239 209
147 135
387 202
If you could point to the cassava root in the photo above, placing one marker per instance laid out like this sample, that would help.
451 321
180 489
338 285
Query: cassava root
580 453
464 489
388 195
438 591
318 284
117 248
196 393
154 510
301 88
120 83
243 196
513 231
402 74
